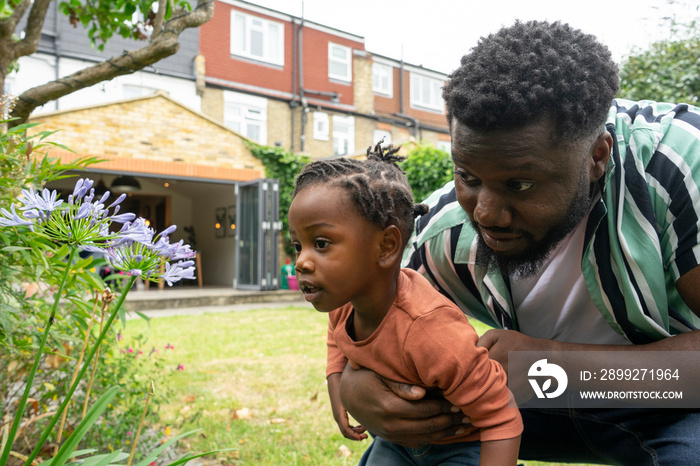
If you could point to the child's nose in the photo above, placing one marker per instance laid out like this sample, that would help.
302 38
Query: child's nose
304 263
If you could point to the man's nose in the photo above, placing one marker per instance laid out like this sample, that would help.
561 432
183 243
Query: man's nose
492 210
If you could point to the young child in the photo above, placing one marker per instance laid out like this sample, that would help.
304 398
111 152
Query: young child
349 222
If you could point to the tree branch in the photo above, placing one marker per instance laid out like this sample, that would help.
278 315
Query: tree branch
158 22
8 25
32 32
164 45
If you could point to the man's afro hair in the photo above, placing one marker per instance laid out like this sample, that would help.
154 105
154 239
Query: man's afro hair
531 71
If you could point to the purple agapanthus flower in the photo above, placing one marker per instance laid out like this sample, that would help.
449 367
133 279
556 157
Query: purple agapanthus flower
178 271
45 201
84 221
174 251
81 189
136 231
140 252
12 219
36 208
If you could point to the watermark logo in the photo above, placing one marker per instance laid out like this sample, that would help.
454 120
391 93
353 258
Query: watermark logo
547 371
604 379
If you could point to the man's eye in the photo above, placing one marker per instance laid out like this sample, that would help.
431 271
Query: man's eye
321 244
520 185
467 178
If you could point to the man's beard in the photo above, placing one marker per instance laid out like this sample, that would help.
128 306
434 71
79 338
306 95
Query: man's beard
529 263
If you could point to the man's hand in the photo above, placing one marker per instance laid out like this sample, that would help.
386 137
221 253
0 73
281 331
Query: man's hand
398 412
499 342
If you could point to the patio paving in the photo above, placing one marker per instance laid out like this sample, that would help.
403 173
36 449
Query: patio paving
190 299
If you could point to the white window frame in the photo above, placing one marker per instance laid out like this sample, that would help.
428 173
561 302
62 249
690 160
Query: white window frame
342 137
321 126
383 79
422 86
272 47
253 113
347 62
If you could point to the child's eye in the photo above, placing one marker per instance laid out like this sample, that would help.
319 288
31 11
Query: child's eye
321 244
297 247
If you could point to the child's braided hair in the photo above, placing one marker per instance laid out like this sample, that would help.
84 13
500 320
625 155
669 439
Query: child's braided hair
377 186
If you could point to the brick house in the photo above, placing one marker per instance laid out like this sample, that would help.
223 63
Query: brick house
285 81
191 172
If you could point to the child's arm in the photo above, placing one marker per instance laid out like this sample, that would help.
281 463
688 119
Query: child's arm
339 413
500 452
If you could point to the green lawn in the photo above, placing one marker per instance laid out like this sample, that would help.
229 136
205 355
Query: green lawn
253 381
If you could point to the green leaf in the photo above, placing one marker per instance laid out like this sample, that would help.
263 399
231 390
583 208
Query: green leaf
189 457
92 280
152 456
65 452
15 248
87 451
143 316
83 263
75 454
103 460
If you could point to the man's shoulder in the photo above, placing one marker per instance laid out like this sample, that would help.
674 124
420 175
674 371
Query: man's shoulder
628 115
445 213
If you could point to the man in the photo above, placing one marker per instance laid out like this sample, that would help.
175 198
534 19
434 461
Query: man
571 224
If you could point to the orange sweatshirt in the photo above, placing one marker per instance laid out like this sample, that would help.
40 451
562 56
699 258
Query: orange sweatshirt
426 340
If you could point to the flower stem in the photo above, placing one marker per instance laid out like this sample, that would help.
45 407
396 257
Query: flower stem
86 364
37 360
107 297
75 373
151 390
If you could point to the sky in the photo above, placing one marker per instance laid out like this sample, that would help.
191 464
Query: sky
436 33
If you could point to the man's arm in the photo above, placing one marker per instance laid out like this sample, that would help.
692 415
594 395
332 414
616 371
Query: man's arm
397 412
499 342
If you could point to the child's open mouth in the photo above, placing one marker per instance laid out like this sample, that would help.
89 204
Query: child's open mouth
310 291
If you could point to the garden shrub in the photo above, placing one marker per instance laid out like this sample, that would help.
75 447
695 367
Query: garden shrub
427 169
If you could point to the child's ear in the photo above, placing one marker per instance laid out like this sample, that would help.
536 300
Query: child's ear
391 249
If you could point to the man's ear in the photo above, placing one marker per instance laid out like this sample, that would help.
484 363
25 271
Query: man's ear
600 155
391 249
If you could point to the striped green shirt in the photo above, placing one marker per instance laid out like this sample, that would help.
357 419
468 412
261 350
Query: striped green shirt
641 236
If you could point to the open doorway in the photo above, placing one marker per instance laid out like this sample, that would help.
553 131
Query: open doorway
155 209
234 226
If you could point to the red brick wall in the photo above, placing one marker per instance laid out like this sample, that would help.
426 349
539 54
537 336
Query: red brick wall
425 116
316 63
390 105
215 46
